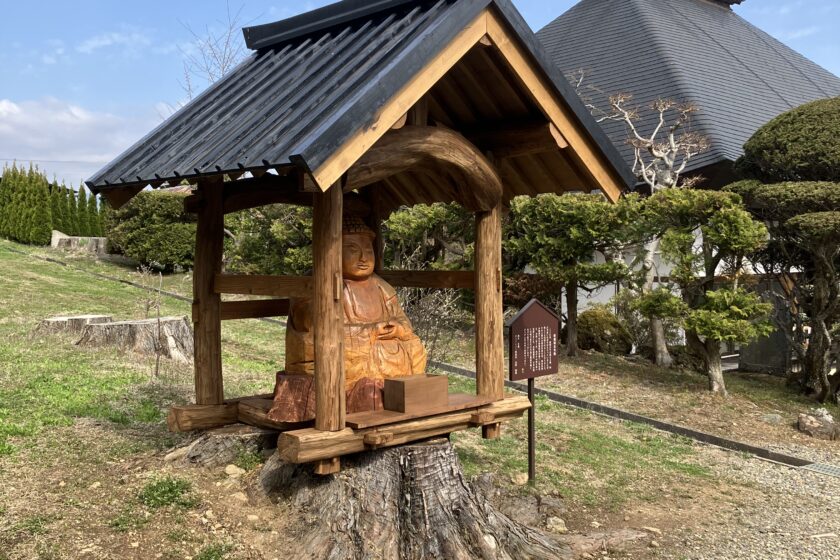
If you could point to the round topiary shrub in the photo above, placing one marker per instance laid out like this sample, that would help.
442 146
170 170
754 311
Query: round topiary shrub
600 330
800 145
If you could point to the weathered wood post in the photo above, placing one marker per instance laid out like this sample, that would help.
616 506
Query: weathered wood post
209 238
489 327
328 316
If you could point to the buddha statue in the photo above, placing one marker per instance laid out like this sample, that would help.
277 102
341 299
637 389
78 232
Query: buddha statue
379 341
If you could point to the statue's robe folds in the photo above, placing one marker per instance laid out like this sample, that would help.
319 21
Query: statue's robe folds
369 358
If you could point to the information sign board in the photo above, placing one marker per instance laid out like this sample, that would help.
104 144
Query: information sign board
533 342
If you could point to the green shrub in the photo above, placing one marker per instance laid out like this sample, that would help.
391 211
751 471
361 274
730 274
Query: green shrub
600 330
800 145
154 230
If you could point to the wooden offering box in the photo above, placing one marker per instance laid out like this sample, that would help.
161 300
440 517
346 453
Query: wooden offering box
416 393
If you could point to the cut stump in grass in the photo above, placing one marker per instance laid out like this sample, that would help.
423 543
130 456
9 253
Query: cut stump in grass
72 324
172 337
410 502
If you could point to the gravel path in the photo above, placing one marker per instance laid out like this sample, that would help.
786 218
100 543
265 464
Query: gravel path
796 516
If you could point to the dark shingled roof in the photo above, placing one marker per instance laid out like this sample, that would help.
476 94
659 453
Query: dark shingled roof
696 51
315 81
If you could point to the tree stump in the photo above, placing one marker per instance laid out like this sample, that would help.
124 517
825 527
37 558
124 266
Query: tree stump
222 446
172 338
70 324
406 503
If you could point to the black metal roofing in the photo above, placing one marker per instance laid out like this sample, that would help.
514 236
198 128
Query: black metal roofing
315 81
692 51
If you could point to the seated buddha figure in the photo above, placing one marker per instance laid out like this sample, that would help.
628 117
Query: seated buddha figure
379 341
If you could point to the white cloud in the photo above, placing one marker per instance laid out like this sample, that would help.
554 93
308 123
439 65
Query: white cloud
66 140
129 41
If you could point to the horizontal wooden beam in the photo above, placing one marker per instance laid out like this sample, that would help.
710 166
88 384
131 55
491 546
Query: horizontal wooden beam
518 139
257 191
301 287
254 285
248 410
118 197
271 189
308 445
250 309
254 412
454 279
201 416
255 309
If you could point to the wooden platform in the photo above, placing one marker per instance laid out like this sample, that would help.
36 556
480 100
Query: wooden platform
302 443
247 410
309 445
457 401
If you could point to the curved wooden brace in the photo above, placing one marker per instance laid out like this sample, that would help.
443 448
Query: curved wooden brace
437 151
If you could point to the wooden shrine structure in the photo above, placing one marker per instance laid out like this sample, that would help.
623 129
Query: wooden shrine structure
368 105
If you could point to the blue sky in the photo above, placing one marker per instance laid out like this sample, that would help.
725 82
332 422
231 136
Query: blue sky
90 77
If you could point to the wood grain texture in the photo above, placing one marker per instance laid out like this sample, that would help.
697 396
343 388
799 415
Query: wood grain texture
434 150
543 93
255 309
417 394
328 312
257 285
209 388
119 197
328 466
201 417
254 412
307 445
460 279
518 139
489 320
348 154
455 402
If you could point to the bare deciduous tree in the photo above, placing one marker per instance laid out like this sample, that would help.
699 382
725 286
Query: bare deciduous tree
661 158
211 55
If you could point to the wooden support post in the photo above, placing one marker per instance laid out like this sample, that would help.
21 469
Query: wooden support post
489 333
328 312
209 238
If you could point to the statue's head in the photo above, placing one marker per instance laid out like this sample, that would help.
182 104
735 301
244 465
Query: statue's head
357 257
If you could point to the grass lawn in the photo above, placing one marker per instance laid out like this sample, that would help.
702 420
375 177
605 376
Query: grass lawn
73 418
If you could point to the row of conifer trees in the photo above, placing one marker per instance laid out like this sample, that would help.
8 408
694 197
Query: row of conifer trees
31 207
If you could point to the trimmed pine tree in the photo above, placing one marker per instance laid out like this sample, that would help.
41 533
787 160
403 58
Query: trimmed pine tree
93 217
5 187
27 204
41 231
73 212
84 223
55 206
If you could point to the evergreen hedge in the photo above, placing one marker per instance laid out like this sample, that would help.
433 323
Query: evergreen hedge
31 207
154 230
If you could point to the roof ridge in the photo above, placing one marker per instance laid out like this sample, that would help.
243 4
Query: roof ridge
332 15
783 52
731 54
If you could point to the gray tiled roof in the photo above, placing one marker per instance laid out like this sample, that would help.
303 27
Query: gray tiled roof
688 50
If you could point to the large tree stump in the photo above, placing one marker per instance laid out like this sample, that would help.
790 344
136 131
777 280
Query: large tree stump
171 337
73 324
405 503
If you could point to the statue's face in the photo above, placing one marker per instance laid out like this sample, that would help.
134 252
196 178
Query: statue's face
357 258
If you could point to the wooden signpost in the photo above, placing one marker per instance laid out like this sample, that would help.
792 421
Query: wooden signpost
533 335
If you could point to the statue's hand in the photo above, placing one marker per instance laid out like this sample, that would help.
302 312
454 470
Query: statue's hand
388 331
